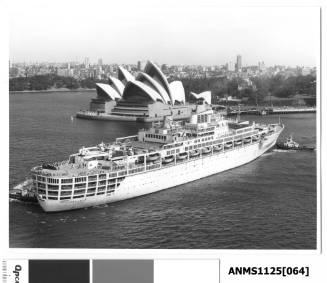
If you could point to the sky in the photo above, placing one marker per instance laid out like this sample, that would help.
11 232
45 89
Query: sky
171 32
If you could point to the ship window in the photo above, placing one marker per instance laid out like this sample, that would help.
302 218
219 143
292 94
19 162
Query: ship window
79 196
40 178
100 189
80 179
62 198
66 193
91 190
41 185
104 182
50 193
64 181
78 186
54 198
92 178
66 187
53 181
53 187
92 184
77 192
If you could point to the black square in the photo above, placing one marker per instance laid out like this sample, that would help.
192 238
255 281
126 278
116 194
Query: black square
59 271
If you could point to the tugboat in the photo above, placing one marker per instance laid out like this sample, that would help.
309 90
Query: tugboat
293 145
23 192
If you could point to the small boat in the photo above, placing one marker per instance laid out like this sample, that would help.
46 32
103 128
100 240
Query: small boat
181 156
218 147
168 159
228 144
288 144
293 145
238 142
194 153
206 150
152 157
247 140
255 138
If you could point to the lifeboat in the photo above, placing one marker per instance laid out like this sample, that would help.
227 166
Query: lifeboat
153 157
206 150
218 147
255 138
181 156
228 144
238 142
168 159
247 140
194 153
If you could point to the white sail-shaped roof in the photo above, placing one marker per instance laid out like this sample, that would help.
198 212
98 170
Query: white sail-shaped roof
137 89
146 79
154 72
117 85
177 92
107 90
206 96
124 76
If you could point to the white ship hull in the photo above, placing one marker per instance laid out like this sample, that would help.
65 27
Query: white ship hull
181 173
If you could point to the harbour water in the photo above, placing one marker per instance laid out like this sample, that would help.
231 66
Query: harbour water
267 204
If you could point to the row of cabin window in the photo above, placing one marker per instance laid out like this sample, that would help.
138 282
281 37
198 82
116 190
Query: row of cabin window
173 145
76 192
153 136
77 186
83 179
169 152
202 118
203 139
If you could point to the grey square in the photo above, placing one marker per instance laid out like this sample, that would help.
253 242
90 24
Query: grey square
123 271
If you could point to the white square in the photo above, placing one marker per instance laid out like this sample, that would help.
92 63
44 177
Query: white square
186 271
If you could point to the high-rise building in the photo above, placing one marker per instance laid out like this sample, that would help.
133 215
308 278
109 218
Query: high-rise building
230 66
100 63
261 66
164 68
239 63
86 62
141 65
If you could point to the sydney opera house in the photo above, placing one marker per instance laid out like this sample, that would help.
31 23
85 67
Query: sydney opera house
147 97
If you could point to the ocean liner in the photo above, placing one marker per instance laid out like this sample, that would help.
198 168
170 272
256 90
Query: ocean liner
168 154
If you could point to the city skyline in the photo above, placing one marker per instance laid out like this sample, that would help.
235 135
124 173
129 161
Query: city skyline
95 62
182 35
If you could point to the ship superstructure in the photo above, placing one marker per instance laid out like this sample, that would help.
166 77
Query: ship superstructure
168 154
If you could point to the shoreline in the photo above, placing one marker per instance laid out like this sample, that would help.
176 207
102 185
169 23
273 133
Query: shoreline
52 90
